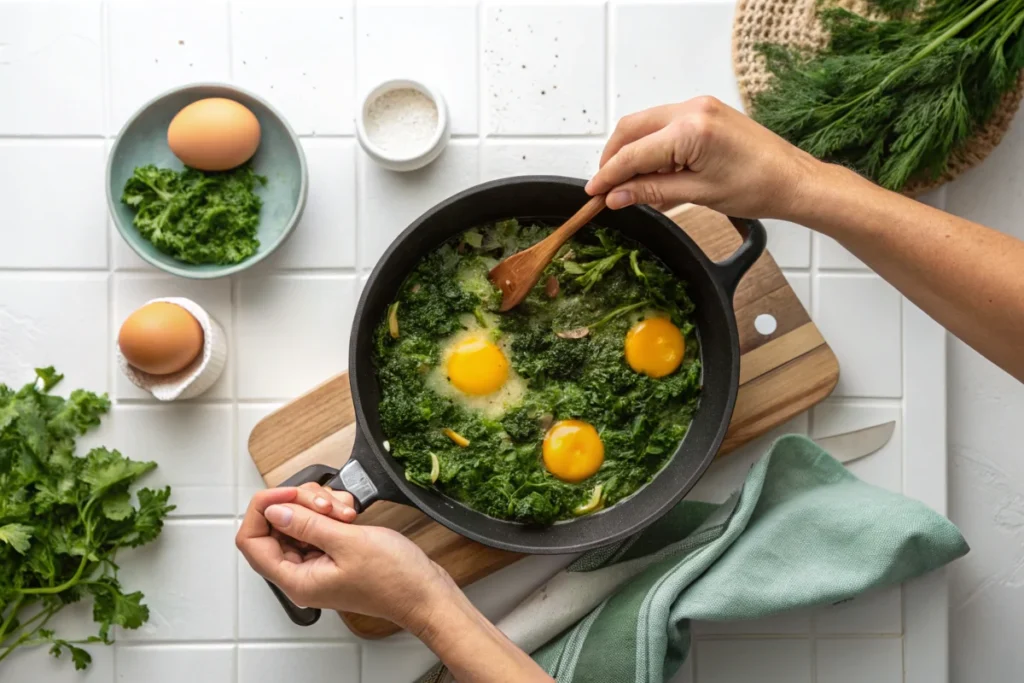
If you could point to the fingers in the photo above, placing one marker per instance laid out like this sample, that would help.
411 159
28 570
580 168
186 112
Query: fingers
663 140
635 126
338 505
271 551
658 190
306 525
665 148
343 497
254 524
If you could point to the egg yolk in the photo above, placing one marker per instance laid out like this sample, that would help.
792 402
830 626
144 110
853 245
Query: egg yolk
572 450
477 366
655 347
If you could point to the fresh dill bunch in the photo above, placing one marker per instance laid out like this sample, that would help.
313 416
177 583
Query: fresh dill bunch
893 98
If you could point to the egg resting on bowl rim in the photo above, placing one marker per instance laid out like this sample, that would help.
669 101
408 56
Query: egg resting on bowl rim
214 134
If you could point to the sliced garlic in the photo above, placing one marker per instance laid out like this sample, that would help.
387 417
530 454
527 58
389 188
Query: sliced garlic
578 333
435 467
393 320
594 503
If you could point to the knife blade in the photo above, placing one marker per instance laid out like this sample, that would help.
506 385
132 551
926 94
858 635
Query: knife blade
859 443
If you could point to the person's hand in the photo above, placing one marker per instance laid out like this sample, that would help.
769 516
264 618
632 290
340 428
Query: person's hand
336 504
320 560
707 153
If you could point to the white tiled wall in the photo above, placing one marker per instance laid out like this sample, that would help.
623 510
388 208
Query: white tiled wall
670 52
544 68
532 87
313 662
154 46
43 211
298 55
58 78
390 33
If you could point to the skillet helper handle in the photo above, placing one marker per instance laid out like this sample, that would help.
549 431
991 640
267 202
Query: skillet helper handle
352 478
732 269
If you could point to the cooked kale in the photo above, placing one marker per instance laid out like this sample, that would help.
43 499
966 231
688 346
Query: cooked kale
569 351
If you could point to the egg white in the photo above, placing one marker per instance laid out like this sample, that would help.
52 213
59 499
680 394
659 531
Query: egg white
491 406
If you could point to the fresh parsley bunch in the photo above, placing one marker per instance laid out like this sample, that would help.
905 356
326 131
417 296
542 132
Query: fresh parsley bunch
63 518
894 98
195 216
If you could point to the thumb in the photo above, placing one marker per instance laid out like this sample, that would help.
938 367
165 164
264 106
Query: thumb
303 524
656 189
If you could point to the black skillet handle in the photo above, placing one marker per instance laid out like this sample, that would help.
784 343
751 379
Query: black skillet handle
352 477
731 270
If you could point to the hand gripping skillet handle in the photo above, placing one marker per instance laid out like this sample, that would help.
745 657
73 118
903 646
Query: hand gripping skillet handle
352 478
730 271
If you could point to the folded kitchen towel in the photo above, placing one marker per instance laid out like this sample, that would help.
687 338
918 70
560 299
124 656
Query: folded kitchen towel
802 531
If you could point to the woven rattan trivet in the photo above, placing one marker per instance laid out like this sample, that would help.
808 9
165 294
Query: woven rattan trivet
794 22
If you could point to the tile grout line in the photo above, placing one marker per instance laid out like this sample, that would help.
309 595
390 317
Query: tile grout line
107 223
106 116
609 95
547 138
360 266
480 99
234 296
357 152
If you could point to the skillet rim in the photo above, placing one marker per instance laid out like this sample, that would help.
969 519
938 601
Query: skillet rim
385 471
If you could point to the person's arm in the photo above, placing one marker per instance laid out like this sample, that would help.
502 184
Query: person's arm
299 539
967 277
472 648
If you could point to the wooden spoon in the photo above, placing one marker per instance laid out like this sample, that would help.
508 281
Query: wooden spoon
516 275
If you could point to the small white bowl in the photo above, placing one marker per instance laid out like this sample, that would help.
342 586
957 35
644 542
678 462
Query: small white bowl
431 149
200 373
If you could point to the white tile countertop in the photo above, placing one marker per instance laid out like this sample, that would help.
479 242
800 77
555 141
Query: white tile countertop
531 88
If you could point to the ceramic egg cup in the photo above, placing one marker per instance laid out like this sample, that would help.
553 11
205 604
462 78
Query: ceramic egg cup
199 375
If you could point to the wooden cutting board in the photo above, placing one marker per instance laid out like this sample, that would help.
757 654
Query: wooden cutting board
781 374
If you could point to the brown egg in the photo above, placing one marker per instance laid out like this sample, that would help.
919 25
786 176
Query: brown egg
215 134
160 338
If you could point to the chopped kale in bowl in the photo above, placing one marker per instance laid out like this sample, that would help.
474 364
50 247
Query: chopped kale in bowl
197 216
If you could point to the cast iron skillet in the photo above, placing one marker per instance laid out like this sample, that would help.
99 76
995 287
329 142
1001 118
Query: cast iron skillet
371 474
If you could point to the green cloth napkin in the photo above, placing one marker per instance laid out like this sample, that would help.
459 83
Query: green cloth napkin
802 531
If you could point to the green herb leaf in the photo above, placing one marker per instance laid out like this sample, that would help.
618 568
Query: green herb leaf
195 216
64 518
111 607
81 658
895 98
18 536
118 506
49 377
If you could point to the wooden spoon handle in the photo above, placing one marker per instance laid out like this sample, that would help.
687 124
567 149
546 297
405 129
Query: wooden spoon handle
586 214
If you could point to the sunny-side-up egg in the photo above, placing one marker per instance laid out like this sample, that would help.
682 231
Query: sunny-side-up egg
475 371
655 347
572 450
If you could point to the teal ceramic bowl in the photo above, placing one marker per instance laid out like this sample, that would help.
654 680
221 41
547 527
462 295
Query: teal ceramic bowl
143 140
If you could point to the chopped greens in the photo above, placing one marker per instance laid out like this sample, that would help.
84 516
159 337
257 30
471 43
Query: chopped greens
894 97
568 348
63 518
196 216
